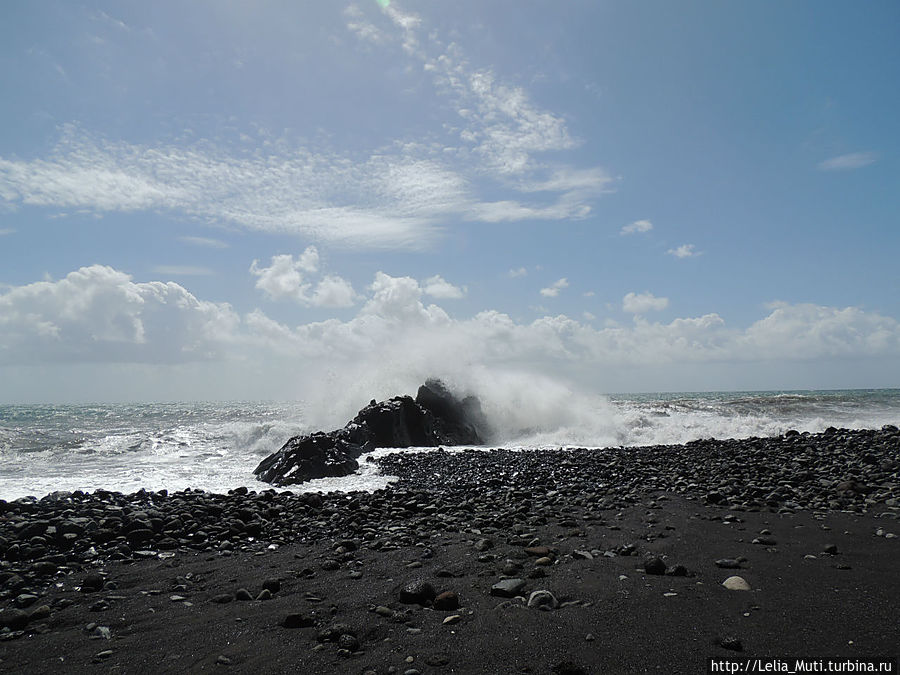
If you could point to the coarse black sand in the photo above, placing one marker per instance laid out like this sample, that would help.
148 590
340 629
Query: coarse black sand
632 544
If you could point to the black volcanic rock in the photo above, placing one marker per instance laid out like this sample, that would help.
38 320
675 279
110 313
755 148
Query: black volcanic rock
435 417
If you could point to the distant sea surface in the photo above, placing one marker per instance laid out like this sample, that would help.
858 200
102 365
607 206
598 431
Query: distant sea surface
216 446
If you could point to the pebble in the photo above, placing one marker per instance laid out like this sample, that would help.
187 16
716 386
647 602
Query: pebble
418 592
542 599
736 584
508 588
453 618
654 565
728 563
242 594
446 601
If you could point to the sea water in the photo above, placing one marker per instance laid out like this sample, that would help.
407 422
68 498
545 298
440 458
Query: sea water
216 446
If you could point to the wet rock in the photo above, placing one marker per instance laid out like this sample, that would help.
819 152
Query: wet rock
435 417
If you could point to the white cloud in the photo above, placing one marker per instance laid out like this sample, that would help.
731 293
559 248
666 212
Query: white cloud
6 230
518 272
636 227
183 270
854 160
641 303
100 315
363 29
440 288
684 251
208 242
554 289
285 278
398 195
97 314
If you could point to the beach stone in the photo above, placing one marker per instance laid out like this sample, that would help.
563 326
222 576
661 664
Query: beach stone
508 588
731 643
419 592
222 598
272 585
542 599
544 561
830 548
14 619
243 594
483 545
223 660
453 618
736 583
24 600
92 583
296 620
39 613
728 563
264 594
654 565
448 600
348 642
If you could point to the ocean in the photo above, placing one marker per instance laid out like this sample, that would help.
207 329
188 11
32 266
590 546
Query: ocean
216 446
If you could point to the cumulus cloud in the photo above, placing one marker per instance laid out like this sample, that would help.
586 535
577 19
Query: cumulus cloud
641 303
853 160
636 227
438 287
98 314
517 272
684 251
286 278
554 289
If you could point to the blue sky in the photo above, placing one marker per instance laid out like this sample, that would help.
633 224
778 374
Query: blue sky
245 200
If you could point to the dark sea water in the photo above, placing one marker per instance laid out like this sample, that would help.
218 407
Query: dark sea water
215 446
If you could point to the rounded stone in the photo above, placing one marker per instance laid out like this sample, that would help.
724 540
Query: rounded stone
542 599
654 565
736 583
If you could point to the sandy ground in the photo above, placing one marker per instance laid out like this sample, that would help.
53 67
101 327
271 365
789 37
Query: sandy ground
158 615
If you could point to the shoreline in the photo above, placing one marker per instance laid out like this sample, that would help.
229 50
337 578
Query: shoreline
339 582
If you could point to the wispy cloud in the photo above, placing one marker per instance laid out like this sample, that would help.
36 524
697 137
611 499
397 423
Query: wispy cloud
854 160
399 195
6 230
636 227
183 270
554 289
684 251
517 272
208 242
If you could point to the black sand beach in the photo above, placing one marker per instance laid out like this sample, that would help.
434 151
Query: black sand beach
435 574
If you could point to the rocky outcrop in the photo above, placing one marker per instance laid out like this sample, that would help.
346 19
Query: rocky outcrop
435 417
